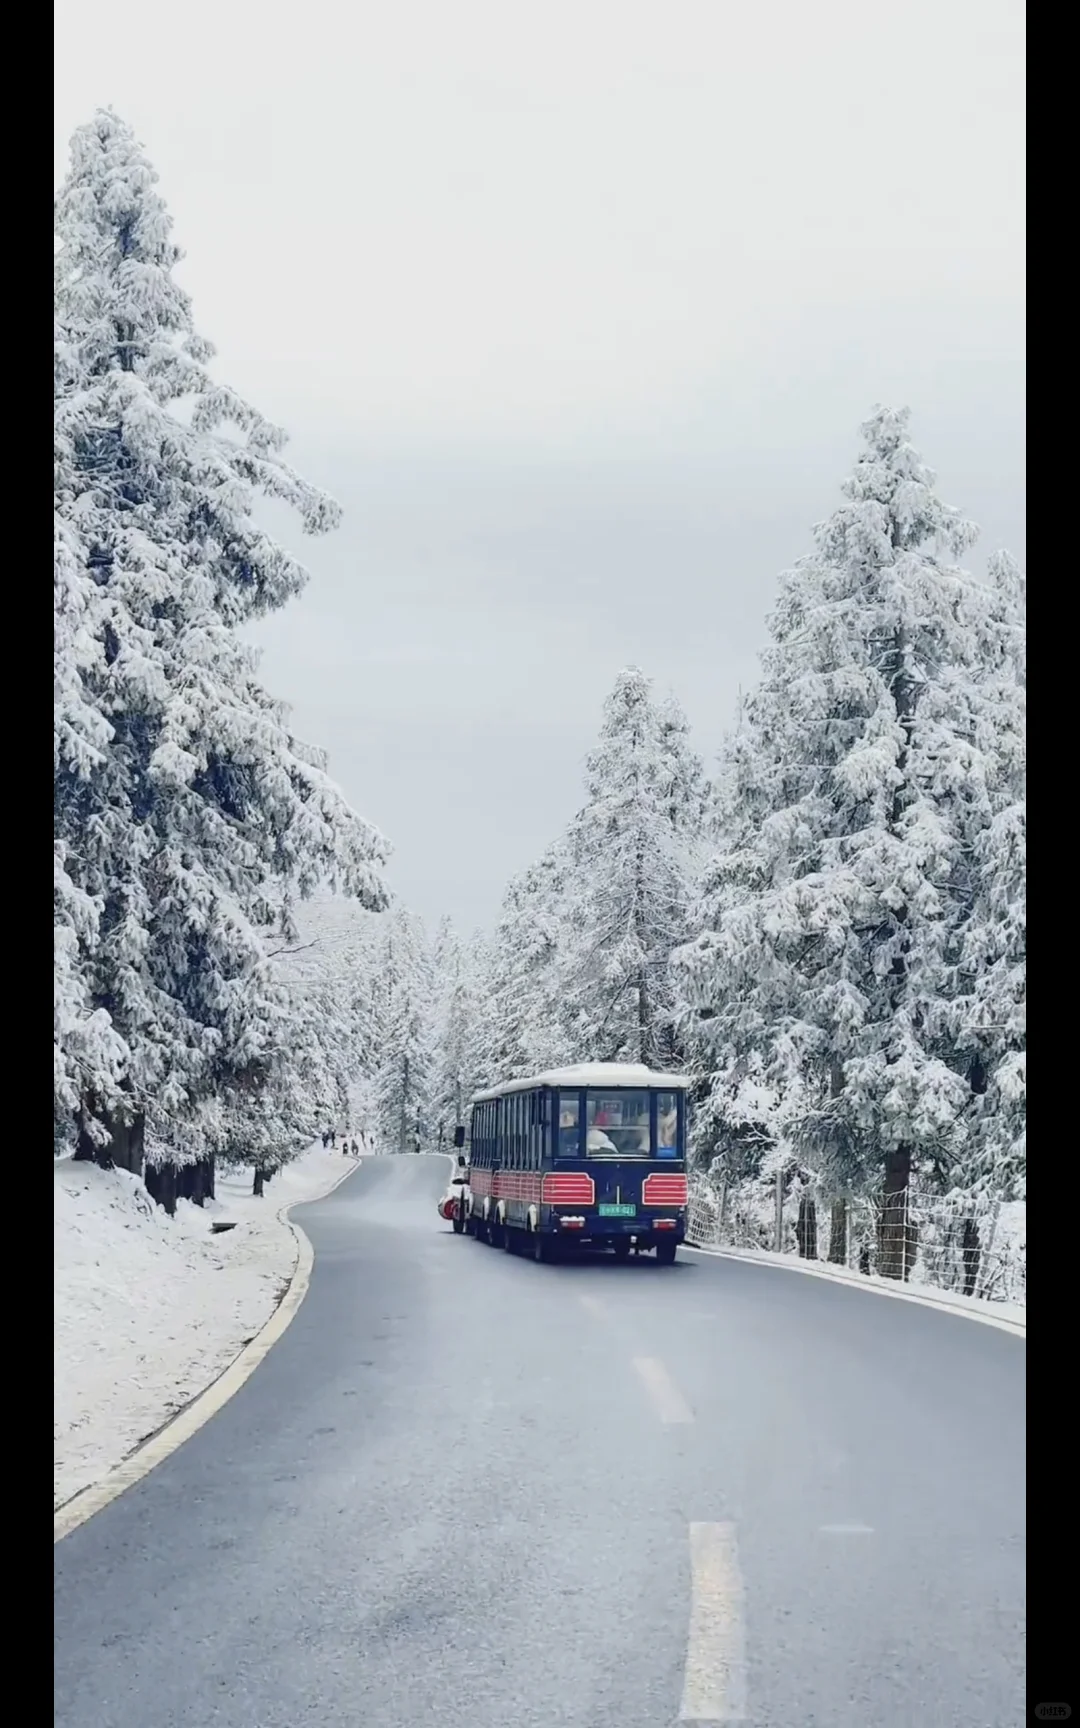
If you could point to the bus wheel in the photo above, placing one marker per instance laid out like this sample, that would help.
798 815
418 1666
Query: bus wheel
621 1246
508 1238
541 1248
495 1235
665 1253
459 1221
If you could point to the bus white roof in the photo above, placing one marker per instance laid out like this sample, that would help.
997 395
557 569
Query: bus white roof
595 1074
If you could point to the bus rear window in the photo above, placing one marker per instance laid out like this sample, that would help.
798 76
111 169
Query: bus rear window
569 1129
617 1125
667 1125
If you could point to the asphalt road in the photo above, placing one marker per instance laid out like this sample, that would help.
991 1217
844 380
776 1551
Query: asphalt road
471 1491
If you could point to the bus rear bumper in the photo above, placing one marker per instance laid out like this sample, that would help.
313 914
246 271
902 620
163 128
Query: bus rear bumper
596 1232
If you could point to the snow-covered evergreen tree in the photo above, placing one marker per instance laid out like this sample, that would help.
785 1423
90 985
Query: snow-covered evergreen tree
576 968
982 1013
630 851
455 1076
831 917
330 972
520 1026
404 1055
688 791
182 800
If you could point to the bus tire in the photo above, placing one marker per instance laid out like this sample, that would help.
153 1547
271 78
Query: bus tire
459 1221
508 1236
621 1246
495 1234
665 1253
541 1248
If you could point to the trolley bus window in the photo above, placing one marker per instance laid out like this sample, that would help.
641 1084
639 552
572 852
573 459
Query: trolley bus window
667 1125
617 1125
569 1143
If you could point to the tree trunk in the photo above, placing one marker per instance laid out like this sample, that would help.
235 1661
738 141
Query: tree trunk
896 1232
86 1151
969 1242
721 1220
161 1185
124 1148
644 1015
838 1228
199 1181
257 1185
646 1030
806 1227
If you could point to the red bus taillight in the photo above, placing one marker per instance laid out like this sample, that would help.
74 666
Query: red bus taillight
664 1188
568 1188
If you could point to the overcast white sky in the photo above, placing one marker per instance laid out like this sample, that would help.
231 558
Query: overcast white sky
577 308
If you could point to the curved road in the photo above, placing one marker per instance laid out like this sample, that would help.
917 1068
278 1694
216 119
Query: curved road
471 1491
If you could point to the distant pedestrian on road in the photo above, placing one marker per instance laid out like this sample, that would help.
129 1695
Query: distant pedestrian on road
355 1149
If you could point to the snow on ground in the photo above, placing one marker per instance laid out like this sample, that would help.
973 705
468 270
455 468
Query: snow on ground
149 1310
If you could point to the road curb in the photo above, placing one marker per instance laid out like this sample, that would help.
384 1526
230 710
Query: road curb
207 1403
1015 1327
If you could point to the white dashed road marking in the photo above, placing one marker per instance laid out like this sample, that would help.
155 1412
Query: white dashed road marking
670 1404
714 1686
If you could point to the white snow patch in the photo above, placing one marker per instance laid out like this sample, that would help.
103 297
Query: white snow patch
149 1310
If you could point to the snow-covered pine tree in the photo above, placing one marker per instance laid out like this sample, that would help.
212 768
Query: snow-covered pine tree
181 799
746 1063
454 1077
831 915
404 1035
520 1024
85 1042
630 851
983 1013
333 965
689 793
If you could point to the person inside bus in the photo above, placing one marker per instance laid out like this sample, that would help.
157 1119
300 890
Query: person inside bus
667 1132
568 1131
597 1144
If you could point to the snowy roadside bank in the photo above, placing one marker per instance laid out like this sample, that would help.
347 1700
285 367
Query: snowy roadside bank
149 1310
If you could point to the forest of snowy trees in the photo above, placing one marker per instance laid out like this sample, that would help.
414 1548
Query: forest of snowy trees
825 928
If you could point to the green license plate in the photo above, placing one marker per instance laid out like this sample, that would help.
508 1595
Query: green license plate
616 1211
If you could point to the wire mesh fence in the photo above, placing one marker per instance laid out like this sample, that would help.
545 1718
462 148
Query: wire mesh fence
918 1238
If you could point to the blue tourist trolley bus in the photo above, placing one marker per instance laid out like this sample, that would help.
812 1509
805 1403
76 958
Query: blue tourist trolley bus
594 1154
